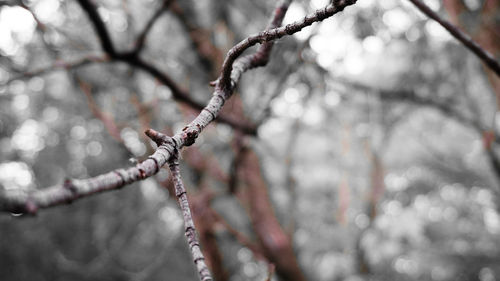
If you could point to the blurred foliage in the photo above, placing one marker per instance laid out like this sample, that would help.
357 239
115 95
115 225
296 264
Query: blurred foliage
368 187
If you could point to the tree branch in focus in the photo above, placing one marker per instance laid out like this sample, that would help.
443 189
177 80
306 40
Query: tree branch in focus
23 201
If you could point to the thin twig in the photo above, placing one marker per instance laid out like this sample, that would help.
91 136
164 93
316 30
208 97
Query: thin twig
465 39
58 64
189 227
269 35
141 39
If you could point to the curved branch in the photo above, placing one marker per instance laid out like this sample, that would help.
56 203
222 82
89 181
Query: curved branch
103 34
270 35
465 39
22 201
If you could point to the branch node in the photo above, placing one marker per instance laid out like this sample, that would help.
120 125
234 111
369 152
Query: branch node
142 173
189 135
69 185
123 176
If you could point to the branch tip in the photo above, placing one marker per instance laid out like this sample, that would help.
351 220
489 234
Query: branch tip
156 136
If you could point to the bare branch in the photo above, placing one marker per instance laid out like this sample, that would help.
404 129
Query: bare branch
181 194
189 227
261 57
249 62
22 201
465 39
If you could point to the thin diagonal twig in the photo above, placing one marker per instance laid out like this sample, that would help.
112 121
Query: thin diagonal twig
58 64
465 39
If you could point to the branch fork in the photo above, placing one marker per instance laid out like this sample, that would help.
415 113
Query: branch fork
181 194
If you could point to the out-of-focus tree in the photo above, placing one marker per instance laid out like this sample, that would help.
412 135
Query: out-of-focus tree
365 149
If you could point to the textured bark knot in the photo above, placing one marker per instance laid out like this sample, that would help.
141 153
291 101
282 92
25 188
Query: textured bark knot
189 135
323 14
142 173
